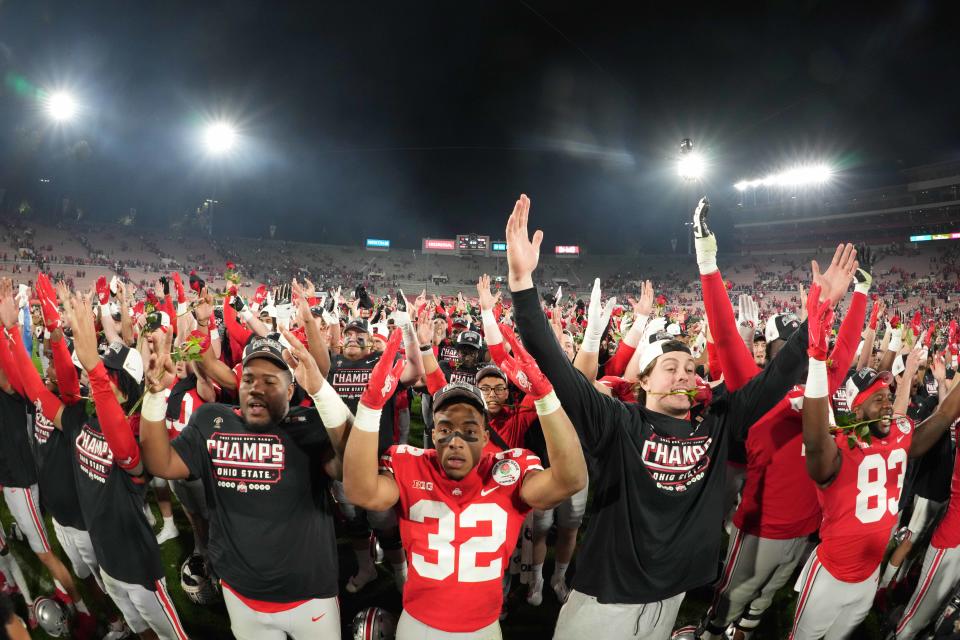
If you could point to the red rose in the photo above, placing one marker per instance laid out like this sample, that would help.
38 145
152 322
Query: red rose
231 266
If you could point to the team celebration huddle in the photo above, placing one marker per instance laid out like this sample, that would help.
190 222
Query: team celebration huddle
280 421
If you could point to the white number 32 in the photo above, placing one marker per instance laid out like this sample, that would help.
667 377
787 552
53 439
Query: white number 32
442 541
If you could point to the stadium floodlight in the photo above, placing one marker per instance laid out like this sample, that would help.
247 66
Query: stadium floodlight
691 165
220 137
805 175
61 106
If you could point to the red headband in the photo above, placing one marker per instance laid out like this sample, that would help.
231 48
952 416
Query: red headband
879 383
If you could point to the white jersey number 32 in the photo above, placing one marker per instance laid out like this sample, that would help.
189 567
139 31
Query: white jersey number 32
442 541
872 499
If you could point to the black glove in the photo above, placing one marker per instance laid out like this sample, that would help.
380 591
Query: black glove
165 281
865 258
401 301
238 303
700 215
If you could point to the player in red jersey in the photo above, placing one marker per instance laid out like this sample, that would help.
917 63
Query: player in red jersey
460 509
859 479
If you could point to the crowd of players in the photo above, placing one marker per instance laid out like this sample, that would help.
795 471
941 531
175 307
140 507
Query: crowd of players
282 420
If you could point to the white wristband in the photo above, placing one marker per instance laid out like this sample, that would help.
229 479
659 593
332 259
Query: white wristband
246 314
547 404
590 344
816 379
215 334
154 407
367 419
182 308
491 332
706 253
330 406
409 336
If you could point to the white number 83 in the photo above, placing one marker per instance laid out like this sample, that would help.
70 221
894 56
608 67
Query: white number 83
872 485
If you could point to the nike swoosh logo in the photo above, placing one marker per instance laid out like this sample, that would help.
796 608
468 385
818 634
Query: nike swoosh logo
485 492
900 438
312 619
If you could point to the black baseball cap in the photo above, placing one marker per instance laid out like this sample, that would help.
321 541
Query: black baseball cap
469 339
865 380
460 320
359 324
459 392
119 357
491 370
267 347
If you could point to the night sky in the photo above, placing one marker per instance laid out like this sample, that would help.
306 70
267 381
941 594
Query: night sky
401 120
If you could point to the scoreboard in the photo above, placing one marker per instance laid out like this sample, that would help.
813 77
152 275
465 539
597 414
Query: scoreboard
473 243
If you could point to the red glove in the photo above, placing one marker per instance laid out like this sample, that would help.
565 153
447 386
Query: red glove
261 295
895 321
385 376
929 337
178 283
874 316
522 369
48 303
952 333
819 324
916 324
103 291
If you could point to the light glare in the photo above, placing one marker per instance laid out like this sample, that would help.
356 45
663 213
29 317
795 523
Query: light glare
61 106
220 138
798 176
691 166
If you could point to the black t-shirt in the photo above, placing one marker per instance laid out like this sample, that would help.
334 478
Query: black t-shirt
19 466
58 485
929 475
111 501
349 378
447 352
460 372
271 524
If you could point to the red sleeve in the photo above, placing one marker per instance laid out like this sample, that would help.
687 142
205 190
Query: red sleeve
234 328
171 312
735 359
618 363
67 379
34 388
713 361
436 381
847 340
113 422
8 363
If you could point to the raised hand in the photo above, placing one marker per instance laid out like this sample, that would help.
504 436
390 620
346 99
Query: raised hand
80 315
835 281
863 275
304 366
748 312
700 214
425 331
483 291
521 368
523 253
8 308
643 306
819 323
160 365
204 306
385 375
598 317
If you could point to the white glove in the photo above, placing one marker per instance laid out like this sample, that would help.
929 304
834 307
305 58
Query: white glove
598 317
748 311
703 239
653 327
896 338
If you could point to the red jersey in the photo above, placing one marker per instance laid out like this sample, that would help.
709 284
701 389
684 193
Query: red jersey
511 425
947 534
779 498
458 535
860 506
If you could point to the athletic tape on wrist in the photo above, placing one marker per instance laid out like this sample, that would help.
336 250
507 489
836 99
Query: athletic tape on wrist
547 404
862 287
367 419
330 406
590 344
816 379
215 334
491 332
154 407
706 253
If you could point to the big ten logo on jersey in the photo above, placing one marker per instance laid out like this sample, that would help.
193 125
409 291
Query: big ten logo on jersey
94 456
350 383
43 428
246 461
676 464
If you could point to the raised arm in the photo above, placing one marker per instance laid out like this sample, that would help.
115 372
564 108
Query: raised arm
592 413
930 430
160 458
568 469
820 448
364 485
587 359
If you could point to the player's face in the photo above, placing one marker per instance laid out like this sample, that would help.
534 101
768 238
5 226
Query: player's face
265 392
879 406
468 356
354 343
673 374
460 433
760 353
495 392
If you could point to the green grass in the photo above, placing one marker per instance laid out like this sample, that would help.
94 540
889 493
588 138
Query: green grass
524 621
